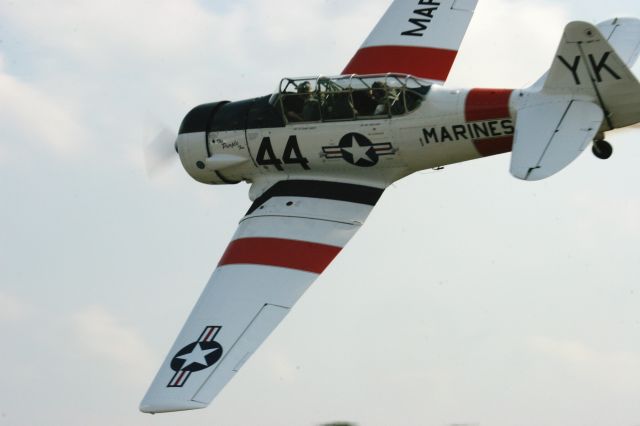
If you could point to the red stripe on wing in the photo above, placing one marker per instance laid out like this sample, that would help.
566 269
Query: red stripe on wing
292 254
423 62
490 104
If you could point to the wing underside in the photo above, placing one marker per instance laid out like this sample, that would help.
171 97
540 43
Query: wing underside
288 237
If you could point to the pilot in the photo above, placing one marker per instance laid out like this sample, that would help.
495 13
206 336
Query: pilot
311 108
295 104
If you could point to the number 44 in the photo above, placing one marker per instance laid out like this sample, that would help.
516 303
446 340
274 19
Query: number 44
291 155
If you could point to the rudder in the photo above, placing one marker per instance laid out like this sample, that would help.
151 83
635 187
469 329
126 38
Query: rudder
623 34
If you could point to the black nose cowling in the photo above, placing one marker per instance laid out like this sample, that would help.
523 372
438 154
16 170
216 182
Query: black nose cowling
192 142
200 118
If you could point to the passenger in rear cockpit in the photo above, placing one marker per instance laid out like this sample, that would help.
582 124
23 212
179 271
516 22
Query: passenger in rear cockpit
388 99
379 93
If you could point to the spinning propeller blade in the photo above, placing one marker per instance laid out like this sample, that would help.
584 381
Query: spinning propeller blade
160 153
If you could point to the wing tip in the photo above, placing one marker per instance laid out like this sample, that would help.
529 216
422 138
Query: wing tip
158 407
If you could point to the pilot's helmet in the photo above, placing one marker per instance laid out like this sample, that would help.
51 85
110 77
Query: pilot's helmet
378 89
304 87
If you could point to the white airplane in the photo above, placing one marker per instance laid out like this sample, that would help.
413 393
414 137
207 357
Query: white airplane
320 151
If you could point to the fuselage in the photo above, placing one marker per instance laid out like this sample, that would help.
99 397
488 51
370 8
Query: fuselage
258 140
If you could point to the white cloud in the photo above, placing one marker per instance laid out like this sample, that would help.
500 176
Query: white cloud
4 154
27 113
122 34
509 43
13 309
101 335
620 212
288 34
89 26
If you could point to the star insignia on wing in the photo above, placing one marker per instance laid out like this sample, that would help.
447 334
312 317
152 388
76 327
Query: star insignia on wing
196 356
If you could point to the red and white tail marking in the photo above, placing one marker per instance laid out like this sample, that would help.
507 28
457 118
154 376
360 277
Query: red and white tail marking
489 104
418 37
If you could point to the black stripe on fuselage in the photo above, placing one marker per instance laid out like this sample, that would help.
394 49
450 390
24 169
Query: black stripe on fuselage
318 189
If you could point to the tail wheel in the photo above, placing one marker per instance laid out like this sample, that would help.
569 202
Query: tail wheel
602 149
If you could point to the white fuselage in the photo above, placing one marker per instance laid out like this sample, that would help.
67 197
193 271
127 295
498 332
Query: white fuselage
450 126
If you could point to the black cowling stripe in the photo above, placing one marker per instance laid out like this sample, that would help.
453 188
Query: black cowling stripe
319 189
199 119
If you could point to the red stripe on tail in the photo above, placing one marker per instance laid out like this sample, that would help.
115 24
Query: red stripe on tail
423 62
490 104
292 254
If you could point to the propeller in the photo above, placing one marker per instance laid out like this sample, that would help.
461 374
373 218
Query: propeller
160 153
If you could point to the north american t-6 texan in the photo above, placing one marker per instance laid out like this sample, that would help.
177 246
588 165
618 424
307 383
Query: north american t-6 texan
319 152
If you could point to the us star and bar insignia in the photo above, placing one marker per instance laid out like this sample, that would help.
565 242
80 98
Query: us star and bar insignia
196 357
358 150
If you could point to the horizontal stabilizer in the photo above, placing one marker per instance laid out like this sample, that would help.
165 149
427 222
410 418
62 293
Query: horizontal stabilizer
550 135
623 34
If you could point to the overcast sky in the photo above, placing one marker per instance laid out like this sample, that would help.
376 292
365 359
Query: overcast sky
468 296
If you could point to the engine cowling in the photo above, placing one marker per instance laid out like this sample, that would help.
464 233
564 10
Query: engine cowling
192 143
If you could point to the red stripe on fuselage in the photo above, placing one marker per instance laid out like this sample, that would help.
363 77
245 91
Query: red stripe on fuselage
423 62
292 254
490 104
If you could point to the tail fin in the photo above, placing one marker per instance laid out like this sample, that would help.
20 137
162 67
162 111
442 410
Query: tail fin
588 67
589 82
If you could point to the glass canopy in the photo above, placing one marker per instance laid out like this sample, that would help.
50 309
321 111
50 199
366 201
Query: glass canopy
353 97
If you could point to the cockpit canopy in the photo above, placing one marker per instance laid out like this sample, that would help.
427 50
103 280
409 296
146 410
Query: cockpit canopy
318 99
348 97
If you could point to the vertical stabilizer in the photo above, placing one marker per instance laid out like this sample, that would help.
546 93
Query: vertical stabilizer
587 67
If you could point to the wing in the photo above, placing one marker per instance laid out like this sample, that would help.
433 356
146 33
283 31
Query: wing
549 136
421 38
289 236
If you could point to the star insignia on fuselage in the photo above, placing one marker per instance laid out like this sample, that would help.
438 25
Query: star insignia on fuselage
357 149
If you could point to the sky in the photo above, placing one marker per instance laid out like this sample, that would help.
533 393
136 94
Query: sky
468 297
